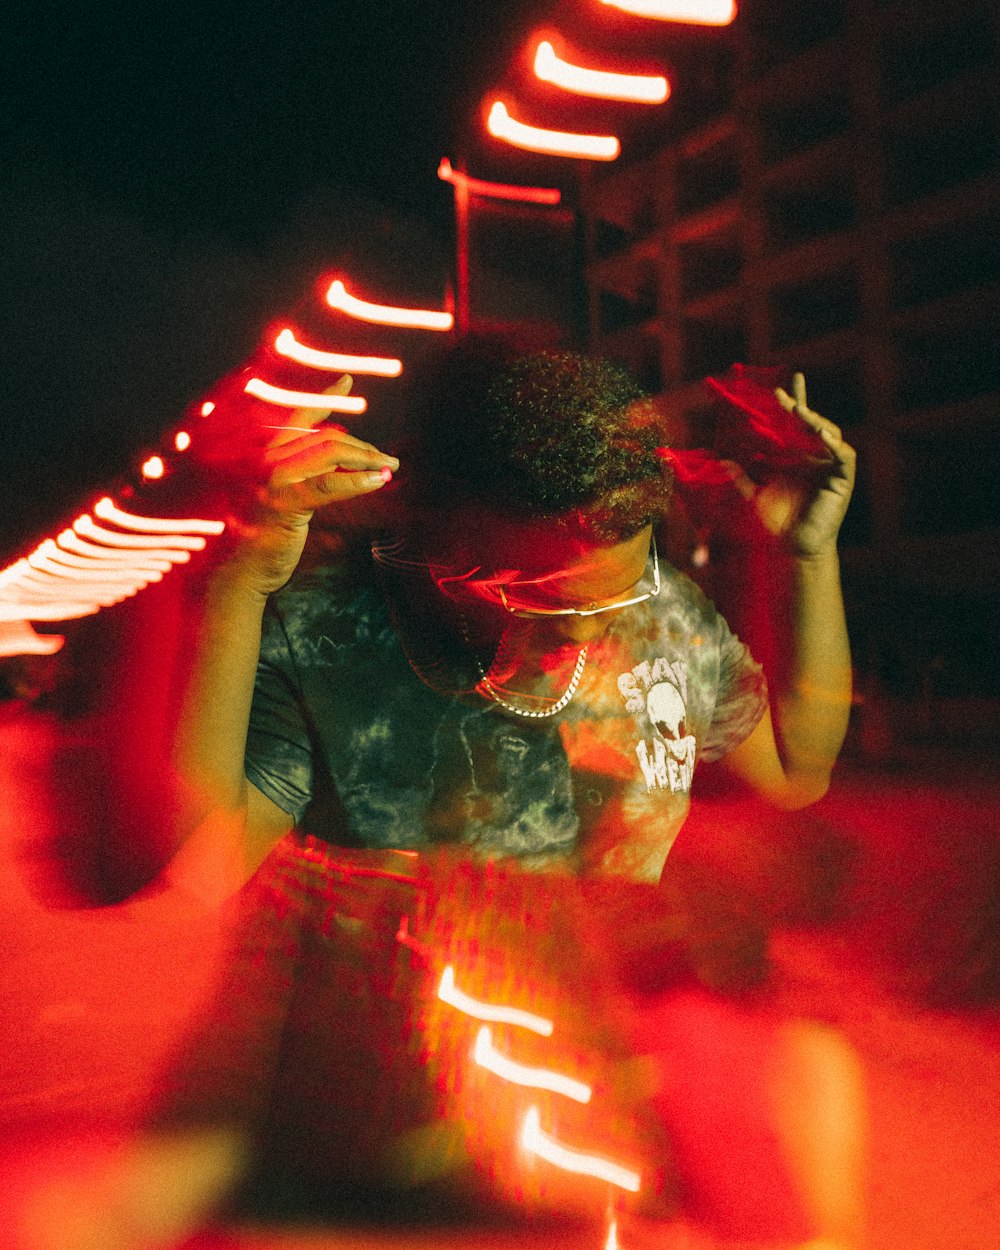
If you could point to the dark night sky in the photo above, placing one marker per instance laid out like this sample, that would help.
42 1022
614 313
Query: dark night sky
174 173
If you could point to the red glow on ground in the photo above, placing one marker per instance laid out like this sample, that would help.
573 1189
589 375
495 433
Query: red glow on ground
501 125
385 314
497 190
304 399
690 12
539 1143
495 1013
286 344
602 84
153 468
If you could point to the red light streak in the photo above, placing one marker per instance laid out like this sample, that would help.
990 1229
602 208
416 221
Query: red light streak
51 551
539 1143
182 440
497 190
304 399
108 575
69 541
488 1057
611 1242
384 314
501 125
85 525
106 510
605 85
207 408
287 345
691 12
495 1013
153 467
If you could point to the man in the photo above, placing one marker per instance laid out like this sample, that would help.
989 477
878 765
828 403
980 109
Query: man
511 675
517 625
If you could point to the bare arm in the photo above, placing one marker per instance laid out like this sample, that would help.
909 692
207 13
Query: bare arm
222 825
789 757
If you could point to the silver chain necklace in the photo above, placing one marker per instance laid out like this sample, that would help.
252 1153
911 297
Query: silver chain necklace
486 688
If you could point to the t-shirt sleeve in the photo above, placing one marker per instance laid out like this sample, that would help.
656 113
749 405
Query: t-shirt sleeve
741 699
279 751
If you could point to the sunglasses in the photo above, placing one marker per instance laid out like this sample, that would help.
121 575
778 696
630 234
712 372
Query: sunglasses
517 609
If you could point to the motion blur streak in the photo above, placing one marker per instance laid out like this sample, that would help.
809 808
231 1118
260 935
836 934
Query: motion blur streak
534 1140
488 1057
494 1012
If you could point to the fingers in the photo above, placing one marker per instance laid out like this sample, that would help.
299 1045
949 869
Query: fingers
289 427
323 466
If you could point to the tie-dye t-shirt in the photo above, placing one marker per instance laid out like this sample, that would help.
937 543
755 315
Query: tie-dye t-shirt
361 752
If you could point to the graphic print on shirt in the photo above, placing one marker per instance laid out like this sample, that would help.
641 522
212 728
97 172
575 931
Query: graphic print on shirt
657 693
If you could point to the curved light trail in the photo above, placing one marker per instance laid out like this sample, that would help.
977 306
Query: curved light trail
385 314
599 83
304 399
286 344
501 125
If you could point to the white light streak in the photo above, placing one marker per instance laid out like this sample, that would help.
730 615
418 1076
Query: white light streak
539 1143
495 1013
488 1057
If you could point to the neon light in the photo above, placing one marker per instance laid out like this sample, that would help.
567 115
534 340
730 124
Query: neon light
153 467
182 440
383 314
692 12
85 525
611 1242
69 541
488 1057
501 125
18 638
286 344
497 190
636 88
207 408
304 399
106 510
116 575
50 551
537 1142
495 1013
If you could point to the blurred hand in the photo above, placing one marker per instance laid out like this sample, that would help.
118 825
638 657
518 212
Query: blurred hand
300 464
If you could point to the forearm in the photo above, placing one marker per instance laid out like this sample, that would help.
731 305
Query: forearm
216 692
812 702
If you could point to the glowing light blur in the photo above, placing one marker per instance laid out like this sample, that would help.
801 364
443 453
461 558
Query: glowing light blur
304 399
539 1143
385 314
86 526
153 467
497 190
207 408
603 84
488 1057
689 12
611 1242
69 577
182 440
495 1013
286 344
501 125
107 511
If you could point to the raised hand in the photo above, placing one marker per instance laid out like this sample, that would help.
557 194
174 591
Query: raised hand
806 508
301 465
